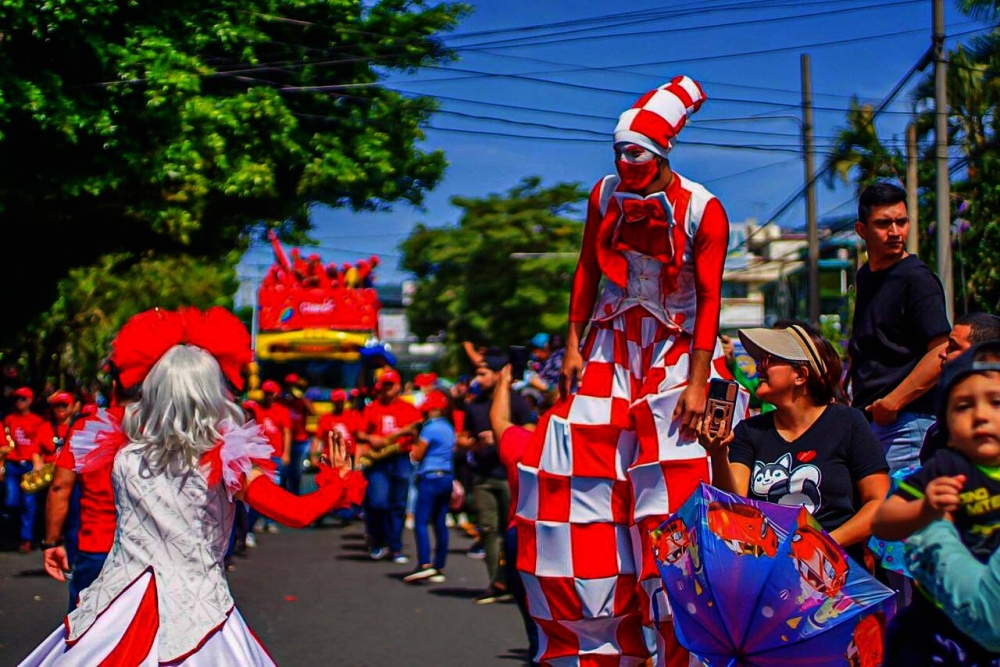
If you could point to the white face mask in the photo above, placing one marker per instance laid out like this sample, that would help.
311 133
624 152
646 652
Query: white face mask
634 154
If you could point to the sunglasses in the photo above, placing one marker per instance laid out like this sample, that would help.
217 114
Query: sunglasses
769 360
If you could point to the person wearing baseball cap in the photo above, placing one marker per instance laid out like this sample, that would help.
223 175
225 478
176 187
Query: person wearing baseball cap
959 490
22 456
434 455
388 427
812 450
299 410
649 273
52 433
341 419
490 489
80 514
276 423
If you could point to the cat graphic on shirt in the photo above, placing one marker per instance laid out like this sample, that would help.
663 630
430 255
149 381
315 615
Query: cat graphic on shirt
779 483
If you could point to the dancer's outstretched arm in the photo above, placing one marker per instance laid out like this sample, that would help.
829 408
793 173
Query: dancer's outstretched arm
339 487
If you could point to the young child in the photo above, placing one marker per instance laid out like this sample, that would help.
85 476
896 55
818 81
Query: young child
960 482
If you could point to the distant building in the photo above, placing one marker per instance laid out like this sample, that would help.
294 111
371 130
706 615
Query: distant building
765 277
394 329
840 255
751 265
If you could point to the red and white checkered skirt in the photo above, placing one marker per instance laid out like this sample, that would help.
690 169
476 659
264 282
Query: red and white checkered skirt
604 468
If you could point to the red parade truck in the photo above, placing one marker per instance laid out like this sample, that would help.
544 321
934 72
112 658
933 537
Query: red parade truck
317 321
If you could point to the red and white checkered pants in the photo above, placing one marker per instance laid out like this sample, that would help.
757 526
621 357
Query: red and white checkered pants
603 469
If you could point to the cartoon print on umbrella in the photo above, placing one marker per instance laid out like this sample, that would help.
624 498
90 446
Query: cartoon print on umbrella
768 585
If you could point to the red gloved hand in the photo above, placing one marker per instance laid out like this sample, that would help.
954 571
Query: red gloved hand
296 511
354 483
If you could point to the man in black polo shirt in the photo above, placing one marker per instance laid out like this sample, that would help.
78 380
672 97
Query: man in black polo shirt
900 329
490 491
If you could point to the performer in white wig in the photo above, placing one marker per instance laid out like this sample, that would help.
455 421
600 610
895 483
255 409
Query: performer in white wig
610 463
181 457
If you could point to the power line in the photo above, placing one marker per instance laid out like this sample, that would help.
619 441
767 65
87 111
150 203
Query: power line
696 8
753 170
875 113
478 74
521 41
695 124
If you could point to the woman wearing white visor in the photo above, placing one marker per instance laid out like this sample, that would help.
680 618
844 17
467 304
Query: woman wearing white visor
811 451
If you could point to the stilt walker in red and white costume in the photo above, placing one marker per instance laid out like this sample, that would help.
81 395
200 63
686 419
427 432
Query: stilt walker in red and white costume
610 463
180 458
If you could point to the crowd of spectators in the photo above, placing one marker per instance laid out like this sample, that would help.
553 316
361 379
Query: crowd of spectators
440 455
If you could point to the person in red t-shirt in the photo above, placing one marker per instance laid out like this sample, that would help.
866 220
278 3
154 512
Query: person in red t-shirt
299 409
388 424
97 512
511 443
52 434
22 456
344 421
276 422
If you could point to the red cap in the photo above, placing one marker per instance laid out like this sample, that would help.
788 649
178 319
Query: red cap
61 398
249 405
25 392
434 401
270 387
373 260
425 380
338 395
389 376
355 393
292 378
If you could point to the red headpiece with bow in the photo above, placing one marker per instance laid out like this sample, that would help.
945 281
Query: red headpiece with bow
146 337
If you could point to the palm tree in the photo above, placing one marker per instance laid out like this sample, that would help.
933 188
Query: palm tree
858 149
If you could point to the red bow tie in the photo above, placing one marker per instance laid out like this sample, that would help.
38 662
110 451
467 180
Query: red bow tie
639 209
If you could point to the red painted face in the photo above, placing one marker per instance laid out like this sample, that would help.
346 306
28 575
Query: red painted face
636 177
637 167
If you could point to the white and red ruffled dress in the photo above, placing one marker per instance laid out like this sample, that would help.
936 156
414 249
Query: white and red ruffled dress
162 596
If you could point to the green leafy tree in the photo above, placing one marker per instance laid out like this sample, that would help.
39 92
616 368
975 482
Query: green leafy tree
175 127
504 272
973 98
95 301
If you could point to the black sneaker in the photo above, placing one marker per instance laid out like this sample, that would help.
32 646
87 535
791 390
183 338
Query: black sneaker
421 574
492 595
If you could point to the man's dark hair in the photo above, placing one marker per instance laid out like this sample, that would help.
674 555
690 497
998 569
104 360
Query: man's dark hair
982 326
879 194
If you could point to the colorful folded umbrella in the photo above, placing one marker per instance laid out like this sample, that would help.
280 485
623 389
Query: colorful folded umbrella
753 583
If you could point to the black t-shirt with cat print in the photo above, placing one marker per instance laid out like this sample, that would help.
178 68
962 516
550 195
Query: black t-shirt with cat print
819 469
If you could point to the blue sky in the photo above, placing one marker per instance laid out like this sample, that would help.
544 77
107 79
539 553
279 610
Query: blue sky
589 78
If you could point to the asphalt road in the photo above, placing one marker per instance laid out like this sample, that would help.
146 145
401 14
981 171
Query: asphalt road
314 597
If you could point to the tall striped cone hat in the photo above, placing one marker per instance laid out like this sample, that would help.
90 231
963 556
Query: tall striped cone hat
658 116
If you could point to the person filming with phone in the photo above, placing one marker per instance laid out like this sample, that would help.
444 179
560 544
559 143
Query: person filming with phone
812 450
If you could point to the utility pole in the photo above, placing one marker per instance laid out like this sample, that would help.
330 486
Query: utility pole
943 189
912 204
812 229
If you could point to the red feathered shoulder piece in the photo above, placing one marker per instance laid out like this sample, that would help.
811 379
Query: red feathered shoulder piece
147 336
